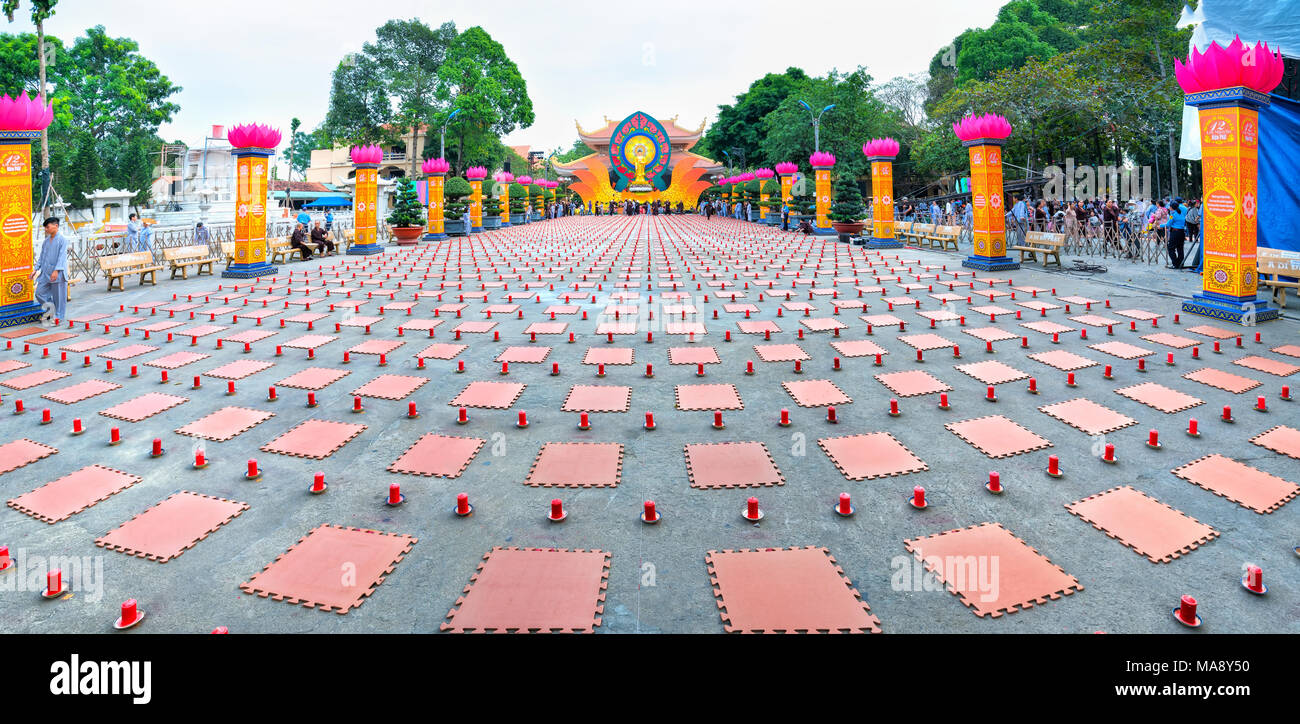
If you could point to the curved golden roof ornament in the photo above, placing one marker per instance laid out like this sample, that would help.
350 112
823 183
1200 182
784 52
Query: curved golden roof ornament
702 124
579 126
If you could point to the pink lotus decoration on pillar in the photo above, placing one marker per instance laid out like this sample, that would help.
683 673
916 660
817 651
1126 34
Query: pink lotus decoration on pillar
524 180
504 177
476 173
253 135
822 158
435 165
785 168
24 114
747 177
880 147
764 173
989 125
367 154
1237 65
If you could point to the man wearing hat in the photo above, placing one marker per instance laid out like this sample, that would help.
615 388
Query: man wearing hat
51 273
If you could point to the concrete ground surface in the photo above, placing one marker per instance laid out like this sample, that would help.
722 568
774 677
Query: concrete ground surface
658 580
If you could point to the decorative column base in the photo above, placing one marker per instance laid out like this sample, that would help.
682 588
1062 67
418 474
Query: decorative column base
365 249
20 313
433 237
249 271
874 243
505 224
828 231
1238 311
476 230
987 263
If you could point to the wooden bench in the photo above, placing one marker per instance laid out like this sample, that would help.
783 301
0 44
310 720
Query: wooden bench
919 234
117 267
1041 242
181 258
944 237
1272 265
228 251
349 238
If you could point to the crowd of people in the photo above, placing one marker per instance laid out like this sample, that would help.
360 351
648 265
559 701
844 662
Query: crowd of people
1174 223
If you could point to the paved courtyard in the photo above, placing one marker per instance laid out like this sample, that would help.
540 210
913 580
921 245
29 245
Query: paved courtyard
1108 547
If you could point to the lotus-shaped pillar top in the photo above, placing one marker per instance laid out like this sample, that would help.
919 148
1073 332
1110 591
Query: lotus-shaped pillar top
435 165
1238 65
989 125
253 135
823 159
371 154
880 147
476 173
24 114
764 173
786 168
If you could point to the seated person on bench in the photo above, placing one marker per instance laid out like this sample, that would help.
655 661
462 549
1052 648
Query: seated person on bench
805 226
296 241
320 238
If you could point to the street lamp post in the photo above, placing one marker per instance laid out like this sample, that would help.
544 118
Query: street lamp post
816 123
442 137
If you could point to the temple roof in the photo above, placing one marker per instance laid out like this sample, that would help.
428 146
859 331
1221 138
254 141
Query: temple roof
599 137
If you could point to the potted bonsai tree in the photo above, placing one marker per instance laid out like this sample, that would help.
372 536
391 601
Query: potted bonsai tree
455 206
847 210
491 213
407 217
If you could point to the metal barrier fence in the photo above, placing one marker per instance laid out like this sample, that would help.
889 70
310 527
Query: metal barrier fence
1126 240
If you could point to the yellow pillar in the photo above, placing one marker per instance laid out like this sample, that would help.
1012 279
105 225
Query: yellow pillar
822 164
988 206
476 205
366 206
436 225
252 166
17 298
1229 125
882 203
504 179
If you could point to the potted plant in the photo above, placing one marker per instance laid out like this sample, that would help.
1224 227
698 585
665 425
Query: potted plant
491 213
407 218
456 208
518 203
847 210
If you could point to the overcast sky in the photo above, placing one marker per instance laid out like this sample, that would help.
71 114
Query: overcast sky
270 60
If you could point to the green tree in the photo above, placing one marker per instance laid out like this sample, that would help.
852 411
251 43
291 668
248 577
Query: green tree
360 110
104 94
740 125
858 115
409 54
576 151
478 79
